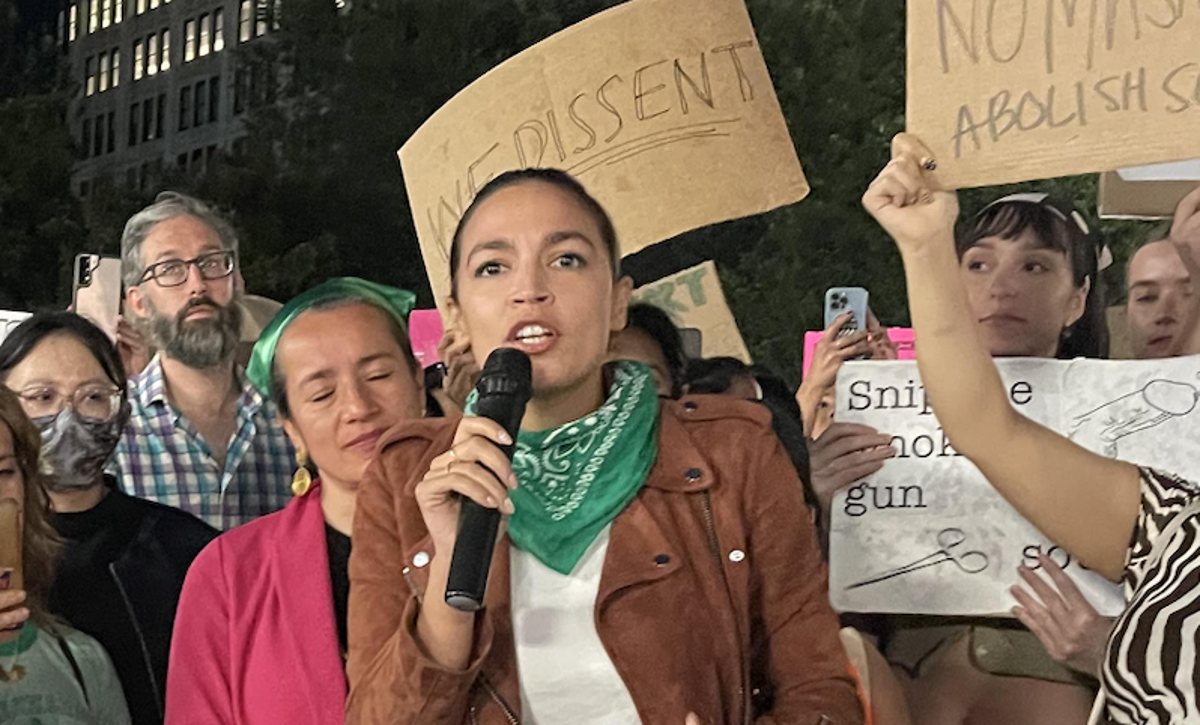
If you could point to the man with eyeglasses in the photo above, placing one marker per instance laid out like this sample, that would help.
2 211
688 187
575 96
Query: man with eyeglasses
200 438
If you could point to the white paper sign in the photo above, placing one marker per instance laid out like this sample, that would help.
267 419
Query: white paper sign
1176 171
9 320
930 506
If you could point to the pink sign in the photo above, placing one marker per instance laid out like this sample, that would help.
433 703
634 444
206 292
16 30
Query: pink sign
901 336
425 332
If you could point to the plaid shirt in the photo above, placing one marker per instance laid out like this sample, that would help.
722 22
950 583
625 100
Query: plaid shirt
162 457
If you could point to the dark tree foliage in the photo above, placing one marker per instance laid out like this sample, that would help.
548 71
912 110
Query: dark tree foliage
316 190
41 227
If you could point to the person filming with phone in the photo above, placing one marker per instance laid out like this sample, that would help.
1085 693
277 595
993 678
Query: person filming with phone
49 672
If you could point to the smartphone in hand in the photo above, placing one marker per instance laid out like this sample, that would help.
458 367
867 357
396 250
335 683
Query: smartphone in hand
840 300
97 291
10 545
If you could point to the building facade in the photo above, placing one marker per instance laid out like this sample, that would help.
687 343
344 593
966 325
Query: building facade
159 84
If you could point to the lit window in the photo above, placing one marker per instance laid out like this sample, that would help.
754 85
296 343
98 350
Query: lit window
93 16
140 7
106 13
205 35
118 11
89 66
165 63
139 61
103 72
218 30
189 41
152 55
153 4
116 67
244 18
260 19
73 25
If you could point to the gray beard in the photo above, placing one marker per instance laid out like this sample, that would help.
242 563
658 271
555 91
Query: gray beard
199 344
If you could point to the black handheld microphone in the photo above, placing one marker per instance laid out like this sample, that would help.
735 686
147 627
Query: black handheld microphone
504 388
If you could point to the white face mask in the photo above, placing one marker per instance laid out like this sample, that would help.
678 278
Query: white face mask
75 449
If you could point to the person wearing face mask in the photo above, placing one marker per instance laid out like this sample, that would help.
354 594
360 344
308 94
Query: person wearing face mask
261 632
125 558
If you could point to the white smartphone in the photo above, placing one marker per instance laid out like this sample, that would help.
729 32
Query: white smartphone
97 291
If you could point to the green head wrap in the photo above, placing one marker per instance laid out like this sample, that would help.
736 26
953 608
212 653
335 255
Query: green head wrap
396 302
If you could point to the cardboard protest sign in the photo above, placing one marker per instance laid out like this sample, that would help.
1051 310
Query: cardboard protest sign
1147 192
694 298
929 501
9 320
901 337
1013 90
662 108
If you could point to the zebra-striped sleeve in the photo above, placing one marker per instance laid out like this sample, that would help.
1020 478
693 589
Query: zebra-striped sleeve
1150 670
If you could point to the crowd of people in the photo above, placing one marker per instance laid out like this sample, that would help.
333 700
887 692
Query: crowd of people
218 533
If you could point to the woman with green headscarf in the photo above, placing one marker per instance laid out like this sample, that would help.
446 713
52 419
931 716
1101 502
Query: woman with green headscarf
260 635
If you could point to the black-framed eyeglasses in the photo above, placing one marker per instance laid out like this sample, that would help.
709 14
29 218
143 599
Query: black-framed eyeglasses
174 272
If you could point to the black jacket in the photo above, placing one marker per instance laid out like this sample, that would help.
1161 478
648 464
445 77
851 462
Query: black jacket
119 580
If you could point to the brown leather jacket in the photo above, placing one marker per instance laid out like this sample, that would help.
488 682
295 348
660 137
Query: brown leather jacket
713 598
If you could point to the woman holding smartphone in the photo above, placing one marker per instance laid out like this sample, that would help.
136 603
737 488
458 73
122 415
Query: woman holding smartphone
48 671
659 565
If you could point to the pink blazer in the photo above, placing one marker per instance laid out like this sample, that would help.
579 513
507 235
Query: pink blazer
255 640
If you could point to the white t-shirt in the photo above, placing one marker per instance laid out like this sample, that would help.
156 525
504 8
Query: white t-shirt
566 674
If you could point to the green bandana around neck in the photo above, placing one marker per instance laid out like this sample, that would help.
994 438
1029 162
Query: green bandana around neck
576 478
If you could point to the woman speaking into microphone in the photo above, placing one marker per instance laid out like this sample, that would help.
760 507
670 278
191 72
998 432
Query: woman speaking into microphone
657 565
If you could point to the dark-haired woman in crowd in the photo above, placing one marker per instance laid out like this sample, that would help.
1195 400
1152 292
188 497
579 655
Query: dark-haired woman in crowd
1029 264
657 565
651 338
1124 522
49 672
261 631
125 558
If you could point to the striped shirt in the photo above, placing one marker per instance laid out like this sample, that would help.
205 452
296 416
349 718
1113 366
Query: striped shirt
162 456
1150 673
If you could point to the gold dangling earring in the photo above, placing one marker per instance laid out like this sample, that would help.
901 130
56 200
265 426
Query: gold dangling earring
302 480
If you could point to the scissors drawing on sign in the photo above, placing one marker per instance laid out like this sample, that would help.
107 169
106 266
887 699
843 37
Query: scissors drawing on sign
972 562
